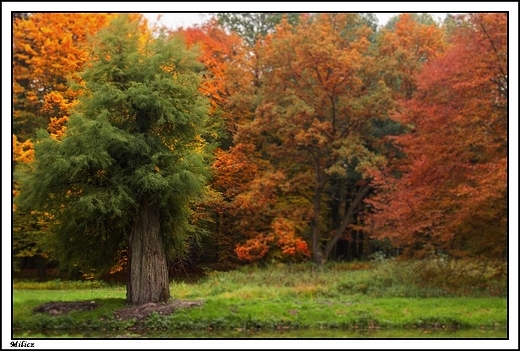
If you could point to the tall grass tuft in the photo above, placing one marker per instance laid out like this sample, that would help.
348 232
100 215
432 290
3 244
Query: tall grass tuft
380 278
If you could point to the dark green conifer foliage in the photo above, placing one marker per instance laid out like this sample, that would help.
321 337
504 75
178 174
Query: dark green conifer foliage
131 162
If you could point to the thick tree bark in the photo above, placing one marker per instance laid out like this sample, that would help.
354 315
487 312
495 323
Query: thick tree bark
147 279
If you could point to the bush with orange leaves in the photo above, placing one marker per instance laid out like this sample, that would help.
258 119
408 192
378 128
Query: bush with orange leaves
281 243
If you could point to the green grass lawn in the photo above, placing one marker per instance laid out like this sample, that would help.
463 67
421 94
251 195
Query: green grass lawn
376 296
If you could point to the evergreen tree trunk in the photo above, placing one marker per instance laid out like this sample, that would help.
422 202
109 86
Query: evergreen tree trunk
147 279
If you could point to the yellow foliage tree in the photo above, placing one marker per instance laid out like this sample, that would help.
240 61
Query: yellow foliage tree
49 50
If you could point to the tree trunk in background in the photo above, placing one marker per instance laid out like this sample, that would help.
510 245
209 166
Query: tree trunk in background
147 279
315 228
42 264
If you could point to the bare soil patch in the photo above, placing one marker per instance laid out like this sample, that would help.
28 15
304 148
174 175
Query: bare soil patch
143 311
61 307
130 312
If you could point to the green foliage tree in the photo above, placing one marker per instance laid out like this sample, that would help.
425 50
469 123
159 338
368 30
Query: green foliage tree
421 18
253 26
131 163
29 230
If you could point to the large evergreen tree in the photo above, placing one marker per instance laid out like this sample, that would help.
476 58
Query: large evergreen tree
132 160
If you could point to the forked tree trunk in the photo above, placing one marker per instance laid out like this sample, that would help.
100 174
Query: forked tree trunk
147 279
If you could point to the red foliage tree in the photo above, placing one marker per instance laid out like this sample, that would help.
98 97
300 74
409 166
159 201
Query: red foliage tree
450 191
227 73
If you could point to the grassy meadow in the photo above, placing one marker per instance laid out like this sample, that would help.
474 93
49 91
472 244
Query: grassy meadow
378 295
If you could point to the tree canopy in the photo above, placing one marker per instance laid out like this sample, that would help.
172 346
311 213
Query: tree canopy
132 149
285 137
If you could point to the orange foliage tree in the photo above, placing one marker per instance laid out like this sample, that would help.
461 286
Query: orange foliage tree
450 192
227 84
319 93
219 51
49 49
245 182
404 49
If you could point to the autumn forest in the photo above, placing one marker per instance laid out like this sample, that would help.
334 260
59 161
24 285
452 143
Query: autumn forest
256 138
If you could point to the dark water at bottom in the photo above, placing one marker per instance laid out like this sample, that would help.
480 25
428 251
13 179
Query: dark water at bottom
277 334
